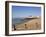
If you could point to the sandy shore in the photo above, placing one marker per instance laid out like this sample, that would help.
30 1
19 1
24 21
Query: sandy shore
34 24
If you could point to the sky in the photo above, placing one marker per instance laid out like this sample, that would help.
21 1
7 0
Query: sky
23 11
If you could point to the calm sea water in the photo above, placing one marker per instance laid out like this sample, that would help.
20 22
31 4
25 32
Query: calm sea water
19 20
